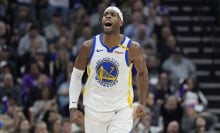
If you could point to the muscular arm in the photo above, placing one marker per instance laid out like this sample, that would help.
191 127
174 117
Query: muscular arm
76 76
83 56
136 56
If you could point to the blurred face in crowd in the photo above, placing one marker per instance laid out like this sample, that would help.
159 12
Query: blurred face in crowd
23 12
152 13
8 80
171 42
142 31
171 103
164 79
34 69
138 6
177 57
33 33
137 18
146 121
57 19
36 43
166 32
150 99
200 125
173 127
57 126
52 116
165 20
67 127
153 62
41 128
62 42
87 32
2 28
25 126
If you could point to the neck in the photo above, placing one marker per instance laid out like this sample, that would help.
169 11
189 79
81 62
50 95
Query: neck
112 39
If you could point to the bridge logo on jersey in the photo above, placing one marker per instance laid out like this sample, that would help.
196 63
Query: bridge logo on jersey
107 72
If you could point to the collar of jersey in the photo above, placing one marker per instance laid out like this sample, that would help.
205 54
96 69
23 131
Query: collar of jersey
113 48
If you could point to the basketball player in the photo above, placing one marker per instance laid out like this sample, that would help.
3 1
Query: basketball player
108 93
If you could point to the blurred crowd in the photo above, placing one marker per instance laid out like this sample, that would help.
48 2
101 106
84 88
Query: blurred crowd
39 41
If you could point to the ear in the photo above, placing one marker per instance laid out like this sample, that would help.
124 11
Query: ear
121 23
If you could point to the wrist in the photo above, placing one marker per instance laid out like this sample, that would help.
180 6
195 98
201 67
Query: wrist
73 105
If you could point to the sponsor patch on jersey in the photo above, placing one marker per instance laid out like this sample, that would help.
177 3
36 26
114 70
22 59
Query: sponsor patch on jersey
119 52
107 72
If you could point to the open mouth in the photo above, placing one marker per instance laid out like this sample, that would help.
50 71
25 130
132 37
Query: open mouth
108 24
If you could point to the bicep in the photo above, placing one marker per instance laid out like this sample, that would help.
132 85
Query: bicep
139 60
83 56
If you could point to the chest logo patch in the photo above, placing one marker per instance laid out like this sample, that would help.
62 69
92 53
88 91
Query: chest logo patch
107 72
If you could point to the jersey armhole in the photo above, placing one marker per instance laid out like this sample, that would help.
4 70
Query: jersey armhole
126 53
93 48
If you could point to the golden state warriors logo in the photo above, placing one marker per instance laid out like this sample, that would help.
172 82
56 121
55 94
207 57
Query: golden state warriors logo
107 72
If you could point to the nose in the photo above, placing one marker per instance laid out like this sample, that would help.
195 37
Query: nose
108 15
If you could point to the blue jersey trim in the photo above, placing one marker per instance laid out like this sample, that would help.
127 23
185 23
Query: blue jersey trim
107 48
126 53
93 48
123 40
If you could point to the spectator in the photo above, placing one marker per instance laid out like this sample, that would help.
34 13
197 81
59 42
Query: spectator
156 119
27 39
190 116
56 126
173 127
23 20
153 20
29 4
42 105
179 67
142 35
51 31
7 65
50 117
63 97
132 29
153 65
40 127
24 126
171 111
9 89
163 88
168 48
12 117
190 93
61 6
86 34
59 66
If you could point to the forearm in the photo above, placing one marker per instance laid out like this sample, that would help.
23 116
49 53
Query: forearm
75 87
142 86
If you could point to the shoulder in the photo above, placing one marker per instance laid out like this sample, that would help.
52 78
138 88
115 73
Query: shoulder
135 48
86 47
87 44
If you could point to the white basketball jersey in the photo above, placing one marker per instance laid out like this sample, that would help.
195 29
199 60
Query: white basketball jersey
109 83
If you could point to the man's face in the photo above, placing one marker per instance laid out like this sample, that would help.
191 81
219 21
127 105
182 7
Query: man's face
33 33
111 22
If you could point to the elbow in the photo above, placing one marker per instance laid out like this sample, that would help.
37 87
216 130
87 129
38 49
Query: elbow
143 73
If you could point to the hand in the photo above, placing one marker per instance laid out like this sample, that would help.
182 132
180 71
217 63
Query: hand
139 112
76 117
